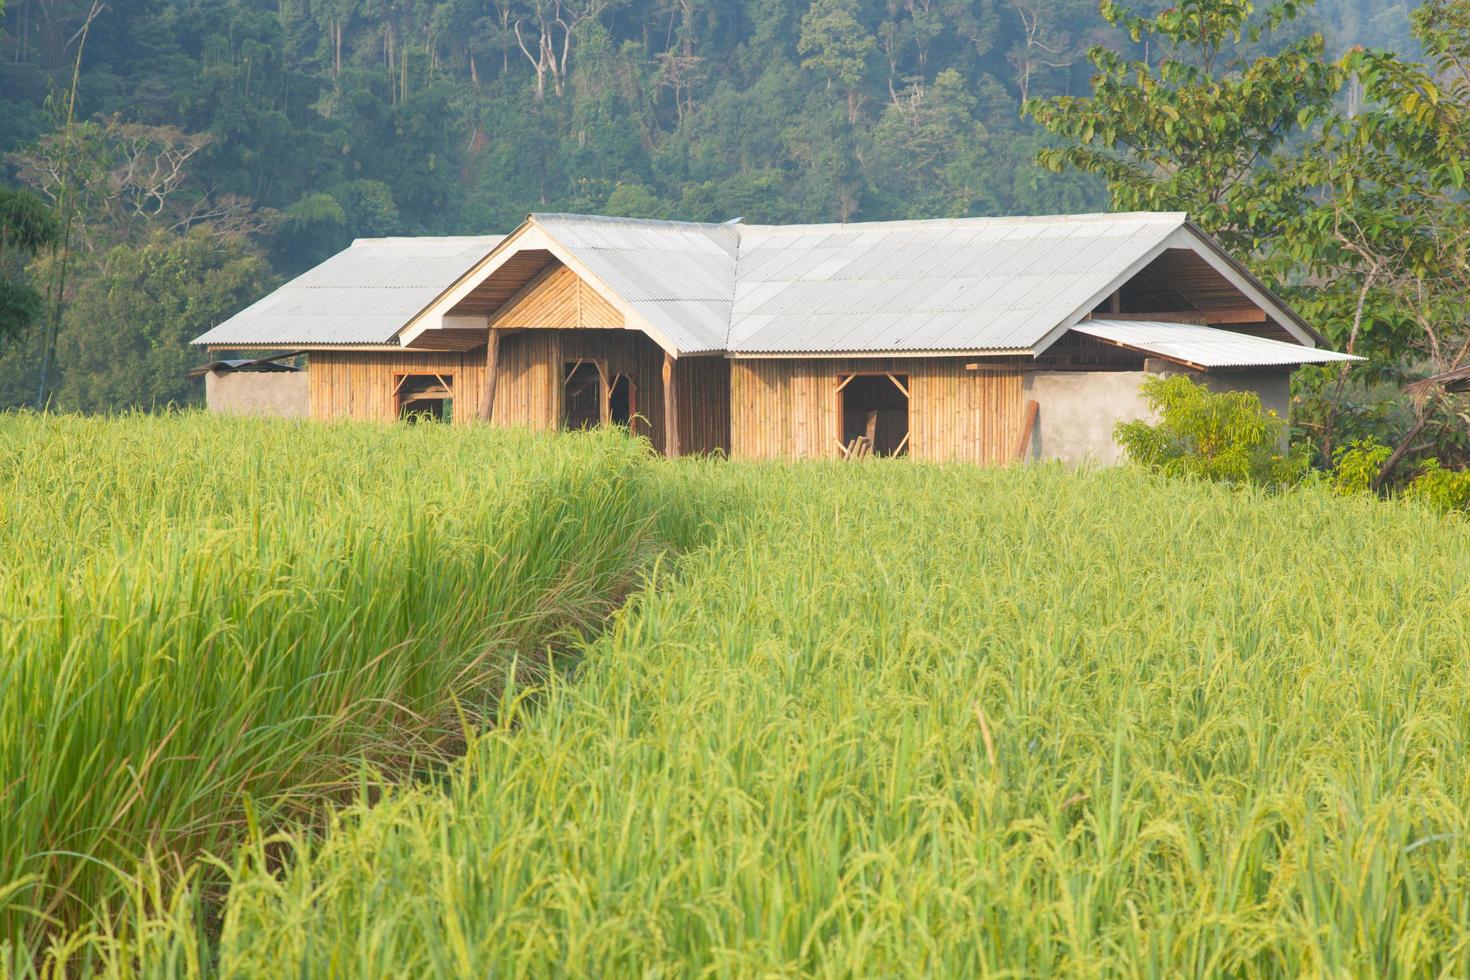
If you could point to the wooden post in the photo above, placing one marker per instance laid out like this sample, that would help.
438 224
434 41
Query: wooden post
671 409
1023 444
492 374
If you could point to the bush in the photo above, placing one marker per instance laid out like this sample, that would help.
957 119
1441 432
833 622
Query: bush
1356 465
1227 437
1444 490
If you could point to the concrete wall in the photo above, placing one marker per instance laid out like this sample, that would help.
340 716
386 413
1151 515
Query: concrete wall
1078 409
282 393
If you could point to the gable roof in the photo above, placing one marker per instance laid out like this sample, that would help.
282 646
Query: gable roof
362 295
678 275
969 285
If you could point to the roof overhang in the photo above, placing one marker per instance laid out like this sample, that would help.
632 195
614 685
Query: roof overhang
438 315
1189 236
1203 348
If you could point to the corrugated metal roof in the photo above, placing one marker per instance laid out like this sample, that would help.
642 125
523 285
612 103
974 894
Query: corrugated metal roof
678 275
960 285
1207 347
966 284
361 295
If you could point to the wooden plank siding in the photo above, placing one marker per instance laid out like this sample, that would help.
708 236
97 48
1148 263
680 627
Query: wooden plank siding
558 299
359 384
788 408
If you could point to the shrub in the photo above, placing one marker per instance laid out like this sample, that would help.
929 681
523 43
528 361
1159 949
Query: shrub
1444 490
1227 437
1356 465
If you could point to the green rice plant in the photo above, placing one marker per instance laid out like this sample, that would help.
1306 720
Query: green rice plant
905 720
205 620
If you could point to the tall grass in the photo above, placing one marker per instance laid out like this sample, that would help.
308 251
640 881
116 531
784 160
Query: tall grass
206 622
900 720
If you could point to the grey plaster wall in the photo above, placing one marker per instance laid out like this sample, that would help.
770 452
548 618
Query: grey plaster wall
1078 409
286 394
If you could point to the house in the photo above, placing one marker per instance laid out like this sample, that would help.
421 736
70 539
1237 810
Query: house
976 339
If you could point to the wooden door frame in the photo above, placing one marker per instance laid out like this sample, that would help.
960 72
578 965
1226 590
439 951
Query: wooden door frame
604 407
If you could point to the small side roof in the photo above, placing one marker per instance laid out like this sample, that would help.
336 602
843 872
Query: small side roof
361 295
1205 347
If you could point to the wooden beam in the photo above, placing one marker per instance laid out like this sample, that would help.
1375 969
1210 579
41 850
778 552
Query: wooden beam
898 386
1240 314
1023 444
671 409
492 375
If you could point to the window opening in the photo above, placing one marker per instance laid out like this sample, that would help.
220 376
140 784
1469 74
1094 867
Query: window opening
425 397
873 412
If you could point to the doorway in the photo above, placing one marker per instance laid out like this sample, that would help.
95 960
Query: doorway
622 401
873 414
582 395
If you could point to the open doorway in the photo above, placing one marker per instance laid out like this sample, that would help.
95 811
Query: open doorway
425 397
622 401
873 412
582 395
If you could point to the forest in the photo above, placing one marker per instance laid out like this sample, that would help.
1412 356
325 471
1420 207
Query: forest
168 161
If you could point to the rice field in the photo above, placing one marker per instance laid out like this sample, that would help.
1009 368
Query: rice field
205 622
874 719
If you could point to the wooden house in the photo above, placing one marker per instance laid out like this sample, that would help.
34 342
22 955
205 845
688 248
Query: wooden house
979 339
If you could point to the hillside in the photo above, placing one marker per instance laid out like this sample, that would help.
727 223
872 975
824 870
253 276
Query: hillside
327 120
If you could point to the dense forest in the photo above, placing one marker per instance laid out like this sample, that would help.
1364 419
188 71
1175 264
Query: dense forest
191 153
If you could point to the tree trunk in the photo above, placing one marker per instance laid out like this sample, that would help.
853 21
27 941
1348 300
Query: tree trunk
1402 449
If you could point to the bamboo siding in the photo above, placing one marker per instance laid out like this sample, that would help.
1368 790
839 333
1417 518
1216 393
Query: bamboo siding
347 384
360 384
557 298
788 408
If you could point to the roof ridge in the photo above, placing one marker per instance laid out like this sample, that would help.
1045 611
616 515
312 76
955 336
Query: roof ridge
617 219
395 239
1162 217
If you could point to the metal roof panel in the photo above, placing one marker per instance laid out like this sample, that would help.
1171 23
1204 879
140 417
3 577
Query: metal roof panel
1207 347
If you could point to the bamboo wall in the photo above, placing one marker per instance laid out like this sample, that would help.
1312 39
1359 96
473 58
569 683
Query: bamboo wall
789 407
360 384
557 298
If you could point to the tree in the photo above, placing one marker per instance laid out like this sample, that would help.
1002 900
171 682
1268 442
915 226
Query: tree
1385 232
1196 123
923 150
835 44
26 227
124 339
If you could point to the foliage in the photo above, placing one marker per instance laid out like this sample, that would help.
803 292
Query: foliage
1194 124
26 226
933 721
1224 436
1444 490
206 620
124 338
1356 465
